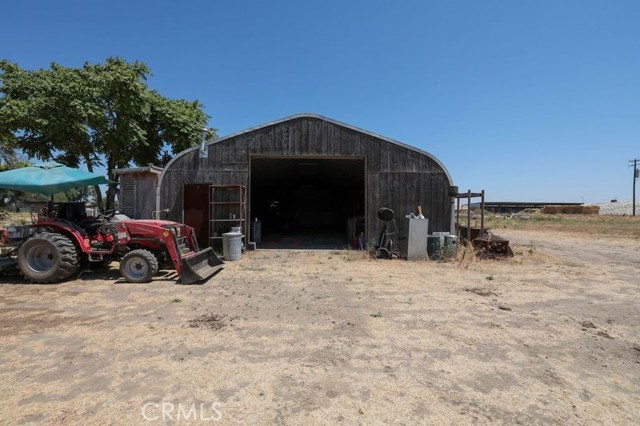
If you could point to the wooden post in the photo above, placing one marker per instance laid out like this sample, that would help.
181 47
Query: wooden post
469 216
458 216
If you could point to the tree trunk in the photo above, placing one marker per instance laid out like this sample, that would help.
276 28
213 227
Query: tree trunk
98 192
111 191
111 194
96 188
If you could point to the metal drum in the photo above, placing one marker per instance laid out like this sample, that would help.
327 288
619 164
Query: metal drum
232 244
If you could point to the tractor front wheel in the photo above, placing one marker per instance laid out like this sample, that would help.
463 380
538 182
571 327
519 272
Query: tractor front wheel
138 266
47 258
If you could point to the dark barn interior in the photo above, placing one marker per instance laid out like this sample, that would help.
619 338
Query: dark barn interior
306 202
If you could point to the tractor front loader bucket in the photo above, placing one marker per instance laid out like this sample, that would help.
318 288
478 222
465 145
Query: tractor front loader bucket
200 266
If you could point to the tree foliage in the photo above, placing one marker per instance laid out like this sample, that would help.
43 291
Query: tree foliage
100 115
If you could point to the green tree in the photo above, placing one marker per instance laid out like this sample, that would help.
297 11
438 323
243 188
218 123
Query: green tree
8 198
98 115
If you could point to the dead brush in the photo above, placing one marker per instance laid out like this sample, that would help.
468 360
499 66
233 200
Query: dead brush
467 255
571 210
532 254
355 255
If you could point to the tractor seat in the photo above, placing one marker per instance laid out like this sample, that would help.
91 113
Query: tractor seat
75 226
72 211
91 225
75 214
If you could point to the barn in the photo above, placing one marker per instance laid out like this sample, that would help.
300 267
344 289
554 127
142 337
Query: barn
305 181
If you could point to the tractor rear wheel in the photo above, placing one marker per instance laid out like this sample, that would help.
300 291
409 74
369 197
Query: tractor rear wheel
138 266
47 257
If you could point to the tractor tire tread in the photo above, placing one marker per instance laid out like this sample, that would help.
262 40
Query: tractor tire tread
68 258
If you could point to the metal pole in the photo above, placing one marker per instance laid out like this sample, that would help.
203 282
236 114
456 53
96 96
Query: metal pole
635 164
469 216
482 215
458 216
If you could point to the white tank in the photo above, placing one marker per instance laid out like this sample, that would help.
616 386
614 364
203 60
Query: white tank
232 244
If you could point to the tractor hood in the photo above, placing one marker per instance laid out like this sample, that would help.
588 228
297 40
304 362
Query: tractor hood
156 222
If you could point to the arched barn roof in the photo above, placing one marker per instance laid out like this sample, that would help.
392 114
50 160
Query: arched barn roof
307 115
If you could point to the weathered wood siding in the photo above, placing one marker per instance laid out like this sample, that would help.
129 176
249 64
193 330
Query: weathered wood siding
137 194
396 177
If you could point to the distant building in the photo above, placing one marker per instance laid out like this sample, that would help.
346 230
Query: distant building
516 206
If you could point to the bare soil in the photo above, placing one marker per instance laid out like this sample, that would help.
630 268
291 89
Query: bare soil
294 337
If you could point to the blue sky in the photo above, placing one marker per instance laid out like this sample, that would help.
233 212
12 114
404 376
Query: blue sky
529 100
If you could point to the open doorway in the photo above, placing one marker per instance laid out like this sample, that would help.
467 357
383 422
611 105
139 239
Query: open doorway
308 203
196 211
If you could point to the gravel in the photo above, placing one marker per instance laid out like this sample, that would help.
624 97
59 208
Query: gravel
621 208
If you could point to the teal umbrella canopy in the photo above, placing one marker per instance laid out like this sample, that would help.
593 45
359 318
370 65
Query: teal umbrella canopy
49 179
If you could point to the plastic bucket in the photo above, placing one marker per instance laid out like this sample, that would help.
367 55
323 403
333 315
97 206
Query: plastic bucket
232 245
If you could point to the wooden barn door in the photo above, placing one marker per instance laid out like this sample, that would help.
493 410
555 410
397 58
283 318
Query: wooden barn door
196 211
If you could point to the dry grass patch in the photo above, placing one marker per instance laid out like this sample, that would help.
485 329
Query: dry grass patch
8 218
618 226
571 210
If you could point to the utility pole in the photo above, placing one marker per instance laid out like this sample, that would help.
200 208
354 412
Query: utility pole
635 177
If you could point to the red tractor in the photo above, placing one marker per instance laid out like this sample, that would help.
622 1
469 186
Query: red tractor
64 238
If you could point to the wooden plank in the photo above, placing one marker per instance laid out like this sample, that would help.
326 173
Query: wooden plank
325 139
315 137
146 196
278 137
373 203
304 137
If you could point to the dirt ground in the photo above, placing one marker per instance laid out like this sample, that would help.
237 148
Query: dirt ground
293 337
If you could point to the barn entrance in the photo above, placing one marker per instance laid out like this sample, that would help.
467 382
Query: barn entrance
196 211
307 203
